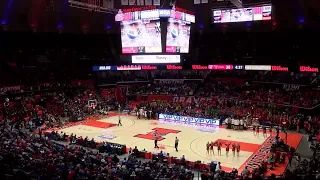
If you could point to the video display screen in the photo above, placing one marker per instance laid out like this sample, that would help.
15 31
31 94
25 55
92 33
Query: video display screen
141 36
243 14
178 36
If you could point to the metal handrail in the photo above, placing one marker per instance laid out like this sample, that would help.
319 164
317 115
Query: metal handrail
87 6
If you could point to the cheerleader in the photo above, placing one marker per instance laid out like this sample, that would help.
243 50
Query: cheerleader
219 148
208 146
211 148
254 130
264 131
238 149
227 149
234 149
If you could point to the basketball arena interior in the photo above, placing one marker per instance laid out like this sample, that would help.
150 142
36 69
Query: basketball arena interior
159 89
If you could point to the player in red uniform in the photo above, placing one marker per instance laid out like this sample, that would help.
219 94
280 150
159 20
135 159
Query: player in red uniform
227 149
234 149
219 148
211 148
257 131
238 150
208 146
264 131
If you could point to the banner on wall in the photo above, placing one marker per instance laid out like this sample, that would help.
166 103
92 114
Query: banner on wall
180 99
140 2
177 80
124 2
156 2
191 99
10 88
108 4
169 81
196 1
121 93
291 87
190 120
132 2
148 2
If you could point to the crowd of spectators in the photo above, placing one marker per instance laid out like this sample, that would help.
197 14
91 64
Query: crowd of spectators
239 85
74 162
34 156
112 77
185 88
262 92
182 74
224 108
49 107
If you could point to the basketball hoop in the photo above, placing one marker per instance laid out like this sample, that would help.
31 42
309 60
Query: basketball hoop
92 103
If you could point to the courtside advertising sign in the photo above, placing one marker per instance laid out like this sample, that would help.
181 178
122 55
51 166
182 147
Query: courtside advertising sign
189 120
152 59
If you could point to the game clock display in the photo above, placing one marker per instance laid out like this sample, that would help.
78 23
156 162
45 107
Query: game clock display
141 36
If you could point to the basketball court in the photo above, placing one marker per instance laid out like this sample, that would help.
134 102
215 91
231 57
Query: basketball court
192 144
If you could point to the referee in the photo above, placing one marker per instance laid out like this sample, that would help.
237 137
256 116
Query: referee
119 121
155 140
176 143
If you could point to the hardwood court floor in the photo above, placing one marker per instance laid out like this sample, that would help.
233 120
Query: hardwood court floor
192 142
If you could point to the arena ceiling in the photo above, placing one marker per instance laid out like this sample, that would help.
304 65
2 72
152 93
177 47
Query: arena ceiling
47 15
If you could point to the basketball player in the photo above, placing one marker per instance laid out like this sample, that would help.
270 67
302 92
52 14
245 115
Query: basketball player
211 148
156 140
219 148
234 149
241 124
277 131
236 124
208 146
264 131
119 121
257 131
238 150
254 130
138 113
232 123
227 149
270 130
176 142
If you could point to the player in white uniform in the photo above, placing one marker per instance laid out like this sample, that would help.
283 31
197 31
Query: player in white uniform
236 124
